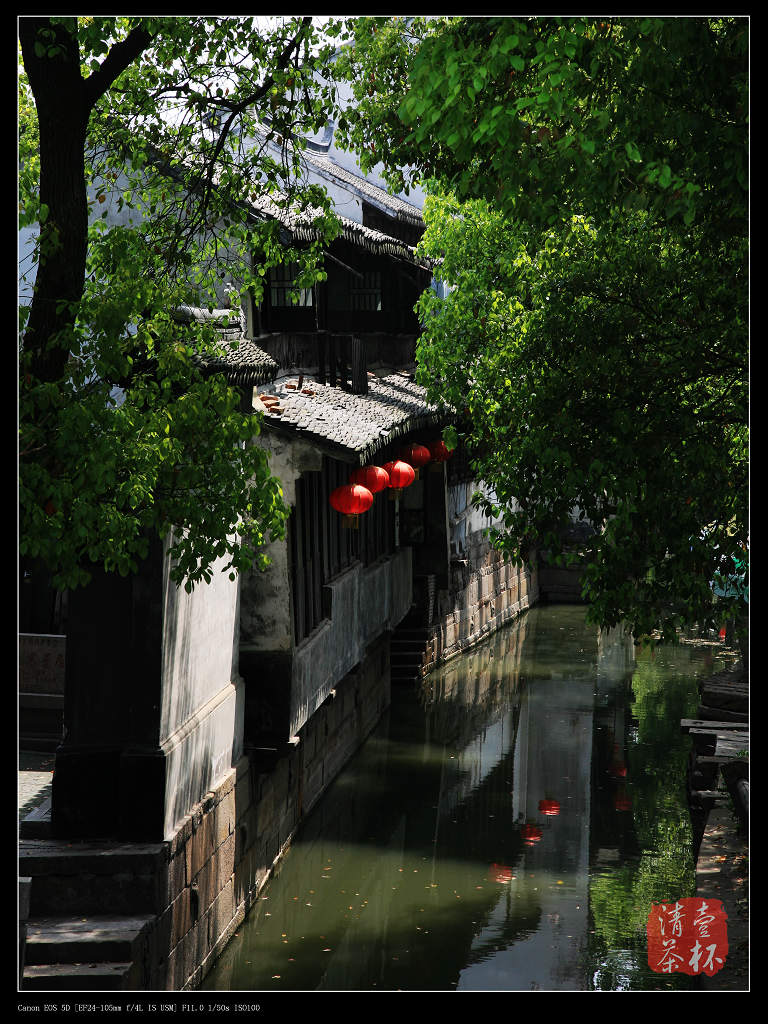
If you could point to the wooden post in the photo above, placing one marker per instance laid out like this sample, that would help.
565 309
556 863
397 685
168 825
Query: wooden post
359 369
332 359
322 356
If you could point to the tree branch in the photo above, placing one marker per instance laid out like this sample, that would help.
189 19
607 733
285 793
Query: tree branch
120 57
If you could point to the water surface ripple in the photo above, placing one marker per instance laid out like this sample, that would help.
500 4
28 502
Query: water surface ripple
506 827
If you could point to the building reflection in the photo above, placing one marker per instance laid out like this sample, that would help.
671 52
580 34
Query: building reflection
455 851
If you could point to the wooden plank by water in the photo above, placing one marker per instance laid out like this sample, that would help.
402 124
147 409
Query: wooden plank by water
710 726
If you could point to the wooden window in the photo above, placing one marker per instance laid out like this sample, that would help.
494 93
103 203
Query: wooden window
281 279
365 293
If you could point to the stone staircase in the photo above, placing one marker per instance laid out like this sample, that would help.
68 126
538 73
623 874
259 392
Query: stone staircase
408 653
92 910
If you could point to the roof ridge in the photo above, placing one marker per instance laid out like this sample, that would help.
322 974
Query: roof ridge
408 210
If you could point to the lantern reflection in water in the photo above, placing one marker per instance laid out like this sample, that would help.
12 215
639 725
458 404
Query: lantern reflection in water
549 807
500 873
531 834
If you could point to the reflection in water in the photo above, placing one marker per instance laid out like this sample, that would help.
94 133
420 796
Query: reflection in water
505 828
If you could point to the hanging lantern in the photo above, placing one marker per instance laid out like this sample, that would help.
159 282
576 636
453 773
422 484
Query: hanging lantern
549 807
416 455
373 477
531 834
400 475
439 452
351 500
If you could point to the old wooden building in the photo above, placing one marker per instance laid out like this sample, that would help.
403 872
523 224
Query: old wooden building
199 729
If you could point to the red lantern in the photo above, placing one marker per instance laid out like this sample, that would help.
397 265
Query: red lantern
439 451
351 500
373 477
549 807
618 770
400 474
531 834
622 803
417 455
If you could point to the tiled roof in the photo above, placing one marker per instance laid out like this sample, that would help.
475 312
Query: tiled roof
244 365
301 228
351 427
397 207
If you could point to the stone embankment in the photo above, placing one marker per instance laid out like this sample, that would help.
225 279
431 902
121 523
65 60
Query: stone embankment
718 781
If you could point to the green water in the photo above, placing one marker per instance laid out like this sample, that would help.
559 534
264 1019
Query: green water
421 868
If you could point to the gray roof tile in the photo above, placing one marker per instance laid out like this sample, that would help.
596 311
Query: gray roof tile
300 226
397 207
241 361
353 427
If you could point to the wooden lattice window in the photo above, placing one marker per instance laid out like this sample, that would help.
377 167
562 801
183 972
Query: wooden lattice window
282 284
366 292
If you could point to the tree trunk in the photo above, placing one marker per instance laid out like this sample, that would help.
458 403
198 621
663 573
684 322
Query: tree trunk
58 91
64 100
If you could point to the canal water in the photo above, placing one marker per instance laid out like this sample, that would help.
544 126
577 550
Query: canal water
506 827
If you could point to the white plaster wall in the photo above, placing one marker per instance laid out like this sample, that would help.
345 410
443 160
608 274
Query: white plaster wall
201 713
266 622
349 160
464 520
366 602
200 643
111 211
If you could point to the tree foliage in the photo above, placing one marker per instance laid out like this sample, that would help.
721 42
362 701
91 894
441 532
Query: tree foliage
145 144
588 214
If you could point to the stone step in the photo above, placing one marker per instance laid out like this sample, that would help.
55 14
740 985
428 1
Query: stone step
404 676
399 646
415 633
721 714
96 939
406 658
78 977
37 824
87 878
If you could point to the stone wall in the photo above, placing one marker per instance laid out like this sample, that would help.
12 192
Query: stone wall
487 592
560 585
41 690
224 851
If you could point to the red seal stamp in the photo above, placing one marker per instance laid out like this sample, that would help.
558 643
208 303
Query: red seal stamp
687 936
